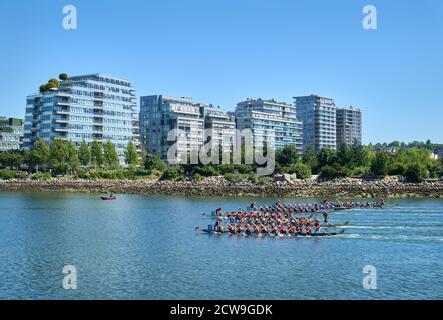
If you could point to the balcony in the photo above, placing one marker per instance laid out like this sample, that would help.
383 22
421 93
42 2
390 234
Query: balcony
97 135
63 103
62 111
63 94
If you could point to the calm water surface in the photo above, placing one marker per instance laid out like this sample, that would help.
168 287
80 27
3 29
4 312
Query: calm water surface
145 247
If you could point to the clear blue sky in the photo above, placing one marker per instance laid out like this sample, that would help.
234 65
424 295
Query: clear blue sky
223 51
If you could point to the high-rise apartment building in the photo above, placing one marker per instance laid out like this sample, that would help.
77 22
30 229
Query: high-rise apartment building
219 126
160 114
318 115
11 133
90 107
349 126
270 121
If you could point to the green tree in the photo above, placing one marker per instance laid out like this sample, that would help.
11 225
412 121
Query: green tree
54 82
131 156
334 171
97 156
380 165
153 162
361 155
303 171
287 155
111 156
72 156
38 157
309 157
326 156
416 172
43 88
84 154
345 155
11 159
58 153
63 76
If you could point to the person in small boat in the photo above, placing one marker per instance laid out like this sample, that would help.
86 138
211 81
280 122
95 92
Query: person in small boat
230 228
239 228
248 229
282 229
291 229
256 229
264 229
308 230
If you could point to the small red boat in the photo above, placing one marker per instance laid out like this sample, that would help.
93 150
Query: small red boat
109 198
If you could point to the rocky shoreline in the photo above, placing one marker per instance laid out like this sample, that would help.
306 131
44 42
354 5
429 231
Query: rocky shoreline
220 187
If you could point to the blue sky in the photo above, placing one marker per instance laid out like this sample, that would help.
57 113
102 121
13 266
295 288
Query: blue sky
223 51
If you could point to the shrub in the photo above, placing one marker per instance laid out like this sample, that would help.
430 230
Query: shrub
302 170
155 173
253 178
359 170
154 162
416 173
243 168
225 168
206 171
170 174
41 176
335 171
6 174
233 178
264 180
198 177
61 169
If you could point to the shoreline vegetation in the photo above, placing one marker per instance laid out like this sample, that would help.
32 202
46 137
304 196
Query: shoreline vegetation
382 170
283 186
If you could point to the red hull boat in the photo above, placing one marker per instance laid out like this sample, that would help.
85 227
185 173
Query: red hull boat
109 198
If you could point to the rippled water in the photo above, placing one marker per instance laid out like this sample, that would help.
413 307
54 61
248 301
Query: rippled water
145 247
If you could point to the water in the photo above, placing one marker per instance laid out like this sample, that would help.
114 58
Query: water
145 247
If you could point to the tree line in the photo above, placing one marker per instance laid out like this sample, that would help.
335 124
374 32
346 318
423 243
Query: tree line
414 162
62 157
